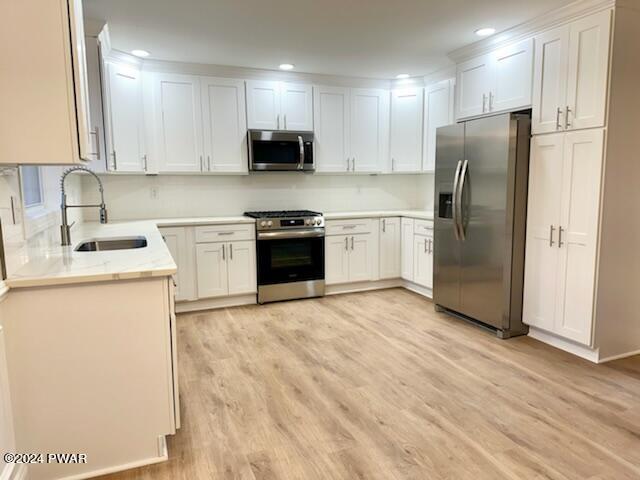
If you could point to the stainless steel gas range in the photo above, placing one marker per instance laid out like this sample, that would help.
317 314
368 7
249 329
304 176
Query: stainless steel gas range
290 254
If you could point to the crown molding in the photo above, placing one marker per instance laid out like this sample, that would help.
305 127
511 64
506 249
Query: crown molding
546 21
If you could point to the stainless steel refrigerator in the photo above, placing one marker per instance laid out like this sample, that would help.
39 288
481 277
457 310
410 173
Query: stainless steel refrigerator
480 219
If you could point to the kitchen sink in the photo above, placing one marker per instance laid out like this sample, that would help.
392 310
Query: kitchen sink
105 244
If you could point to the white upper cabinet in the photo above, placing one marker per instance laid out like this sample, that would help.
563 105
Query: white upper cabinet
296 106
389 248
98 161
550 80
44 101
351 129
473 83
570 75
369 129
279 106
224 125
512 77
177 106
406 129
499 81
588 71
124 118
438 112
331 119
562 233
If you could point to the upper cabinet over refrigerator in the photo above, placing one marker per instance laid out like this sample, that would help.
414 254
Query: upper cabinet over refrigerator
44 118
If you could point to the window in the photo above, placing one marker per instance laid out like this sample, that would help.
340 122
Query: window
31 186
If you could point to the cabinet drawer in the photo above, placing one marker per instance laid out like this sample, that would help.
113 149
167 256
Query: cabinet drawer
423 227
347 227
225 233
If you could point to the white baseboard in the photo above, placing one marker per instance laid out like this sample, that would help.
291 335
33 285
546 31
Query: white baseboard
619 356
419 289
568 346
163 457
12 471
211 303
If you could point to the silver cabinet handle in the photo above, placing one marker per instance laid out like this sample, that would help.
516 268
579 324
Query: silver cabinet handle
231 251
348 227
209 162
96 132
425 245
384 225
144 159
351 243
278 121
201 164
490 101
560 242
301 146
558 113
353 164
348 164
225 233
566 117
484 102
551 230
285 121
393 164
346 244
115 161
13 210
223 253
430 247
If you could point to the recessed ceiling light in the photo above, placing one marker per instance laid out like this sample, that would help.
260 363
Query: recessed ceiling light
140 53
485 32
286 66
402 75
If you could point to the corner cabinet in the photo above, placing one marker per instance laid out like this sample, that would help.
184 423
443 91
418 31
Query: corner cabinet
279 106
438 112
571 74
351 129
498 81
562 233
44 95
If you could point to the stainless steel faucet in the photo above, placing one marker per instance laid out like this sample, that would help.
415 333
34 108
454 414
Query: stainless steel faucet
65 228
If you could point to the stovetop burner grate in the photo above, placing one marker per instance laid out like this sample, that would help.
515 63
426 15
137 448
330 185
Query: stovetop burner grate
283 214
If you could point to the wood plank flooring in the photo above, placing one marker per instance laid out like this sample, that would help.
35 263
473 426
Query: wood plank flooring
378 386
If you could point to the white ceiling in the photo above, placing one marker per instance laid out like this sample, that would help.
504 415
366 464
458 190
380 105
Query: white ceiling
362 38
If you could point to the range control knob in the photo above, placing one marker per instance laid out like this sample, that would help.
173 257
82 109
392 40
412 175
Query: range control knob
263 223
318 221
269 223
308 221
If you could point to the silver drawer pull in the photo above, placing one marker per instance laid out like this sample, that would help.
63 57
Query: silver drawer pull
226 233
348 227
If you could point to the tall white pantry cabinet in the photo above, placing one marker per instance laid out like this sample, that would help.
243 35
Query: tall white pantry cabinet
582 269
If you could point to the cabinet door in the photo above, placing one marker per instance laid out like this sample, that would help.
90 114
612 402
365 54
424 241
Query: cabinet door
296 106
97 115
543 221
179 120
406 249
211 264
512 70
580 207
473 83
550 80
369 129
336 259
423 260
588 71
389 248
263 105
438 112
360 257
331 112
224 124
242 267
406 129
125 129
176 240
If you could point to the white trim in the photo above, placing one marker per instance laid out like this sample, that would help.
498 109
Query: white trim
12 471
362 286
618 357
546 21
163 457
212 303
419 289
568 346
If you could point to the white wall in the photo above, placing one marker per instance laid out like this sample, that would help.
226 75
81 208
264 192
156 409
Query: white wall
133 197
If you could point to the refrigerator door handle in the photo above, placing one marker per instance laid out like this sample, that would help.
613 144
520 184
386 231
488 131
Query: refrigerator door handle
456 177
463 176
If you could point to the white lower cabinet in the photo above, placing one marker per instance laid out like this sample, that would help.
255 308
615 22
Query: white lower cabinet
389 248
178 240
227 268
562 233
406 249
423 260
348 258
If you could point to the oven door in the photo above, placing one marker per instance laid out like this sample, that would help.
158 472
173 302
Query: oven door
290 256
281 151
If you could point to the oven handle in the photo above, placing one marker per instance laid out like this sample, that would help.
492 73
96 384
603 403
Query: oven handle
316 232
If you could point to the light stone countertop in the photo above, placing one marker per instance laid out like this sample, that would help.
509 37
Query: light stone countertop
46 263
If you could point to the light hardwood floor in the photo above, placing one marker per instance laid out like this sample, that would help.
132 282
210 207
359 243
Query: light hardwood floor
379 386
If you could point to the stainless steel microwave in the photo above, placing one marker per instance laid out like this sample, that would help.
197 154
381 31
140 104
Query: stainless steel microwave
281 151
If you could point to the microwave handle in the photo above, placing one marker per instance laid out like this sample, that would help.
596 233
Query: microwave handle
301 144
